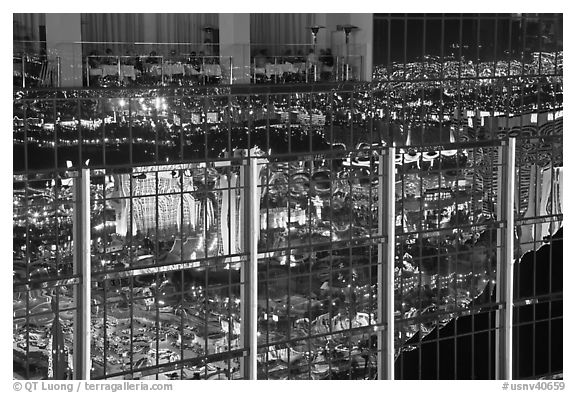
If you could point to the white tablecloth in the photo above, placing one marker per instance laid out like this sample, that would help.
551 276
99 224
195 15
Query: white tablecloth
278 69
105 70
211 70
191 69
183 69
173 69
166 69
273 69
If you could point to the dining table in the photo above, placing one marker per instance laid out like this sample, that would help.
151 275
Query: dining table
111 70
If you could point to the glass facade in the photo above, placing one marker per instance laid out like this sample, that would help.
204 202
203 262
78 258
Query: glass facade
538 290
166 282
238 232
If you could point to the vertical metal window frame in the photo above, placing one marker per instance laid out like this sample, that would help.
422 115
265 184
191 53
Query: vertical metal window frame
253 220
249 270
505 259
82 267
386 257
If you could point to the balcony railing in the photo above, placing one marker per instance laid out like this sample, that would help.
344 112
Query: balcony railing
140 64
294 69
30 71
168 249
104 71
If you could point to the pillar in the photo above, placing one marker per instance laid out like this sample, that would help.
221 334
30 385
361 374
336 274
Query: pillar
323 37
386 258
235 45
63 37
505 260
250 216
361 40
82 268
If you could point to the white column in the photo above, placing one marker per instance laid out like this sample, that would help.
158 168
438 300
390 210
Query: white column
361 40
81 267
334 37
253 224
505 261
235 44
250 210
63 34
386 258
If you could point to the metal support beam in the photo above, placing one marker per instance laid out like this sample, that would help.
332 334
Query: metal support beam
244 339
81 223
250 211
87 73
58 71
254 212
24 70
505 259
386 250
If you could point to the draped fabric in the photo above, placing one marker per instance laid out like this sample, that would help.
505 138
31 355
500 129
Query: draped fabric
26 32
165 28
184 28
270 30
111 28
27 26
281 29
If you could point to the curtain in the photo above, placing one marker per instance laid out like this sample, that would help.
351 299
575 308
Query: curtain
157 28
278 32
169 28
184 28
26 33
27 26
110 27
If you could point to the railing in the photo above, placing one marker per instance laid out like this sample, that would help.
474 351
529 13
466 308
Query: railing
383 230
30 71
184 70
294 69
189 290
164 168
193 70
165 49
157 70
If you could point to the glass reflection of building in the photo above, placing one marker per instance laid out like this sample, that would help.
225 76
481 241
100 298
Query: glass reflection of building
188 188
